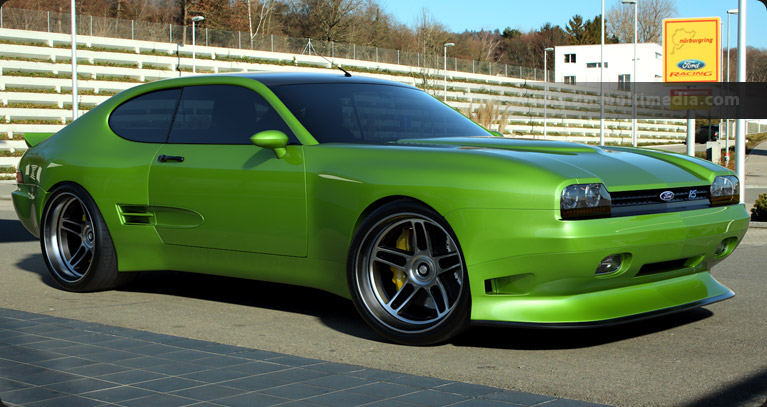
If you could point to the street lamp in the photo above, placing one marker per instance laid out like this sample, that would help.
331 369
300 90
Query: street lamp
634 138
195 19
74 62
447 44
545 87
740 124
602 79
727 121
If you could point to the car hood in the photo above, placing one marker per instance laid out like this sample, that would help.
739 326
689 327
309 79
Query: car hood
619 168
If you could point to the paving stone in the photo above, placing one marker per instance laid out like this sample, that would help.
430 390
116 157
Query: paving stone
208 392
297 391
432 398
118 394
341 399
67 401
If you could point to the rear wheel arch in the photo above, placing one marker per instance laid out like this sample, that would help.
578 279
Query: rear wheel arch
71 222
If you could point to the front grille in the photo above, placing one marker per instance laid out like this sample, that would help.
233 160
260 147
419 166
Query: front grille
652 196
649 201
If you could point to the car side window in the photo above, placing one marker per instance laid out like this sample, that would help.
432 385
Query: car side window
223 114
146 118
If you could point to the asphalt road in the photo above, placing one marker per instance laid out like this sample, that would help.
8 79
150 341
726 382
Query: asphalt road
714 356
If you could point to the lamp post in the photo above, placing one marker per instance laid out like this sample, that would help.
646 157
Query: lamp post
74 62
634 138
602 79
740 124
195 19
545 88
727 121
447 44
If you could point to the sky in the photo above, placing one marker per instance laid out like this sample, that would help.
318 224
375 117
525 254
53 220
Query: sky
525 15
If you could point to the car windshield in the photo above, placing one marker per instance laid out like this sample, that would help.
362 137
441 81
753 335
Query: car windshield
372 113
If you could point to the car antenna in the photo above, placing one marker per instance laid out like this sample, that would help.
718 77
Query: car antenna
311 48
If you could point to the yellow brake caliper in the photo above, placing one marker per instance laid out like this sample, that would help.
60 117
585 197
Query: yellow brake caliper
403 243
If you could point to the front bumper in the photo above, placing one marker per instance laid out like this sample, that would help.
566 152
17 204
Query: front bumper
527 267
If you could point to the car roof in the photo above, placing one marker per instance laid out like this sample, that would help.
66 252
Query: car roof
294 78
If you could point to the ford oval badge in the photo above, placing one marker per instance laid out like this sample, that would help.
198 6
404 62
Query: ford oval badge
691 64
667 196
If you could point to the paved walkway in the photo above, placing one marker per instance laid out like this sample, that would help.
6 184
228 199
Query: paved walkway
48 361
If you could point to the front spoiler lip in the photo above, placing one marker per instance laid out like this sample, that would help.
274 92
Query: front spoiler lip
609 322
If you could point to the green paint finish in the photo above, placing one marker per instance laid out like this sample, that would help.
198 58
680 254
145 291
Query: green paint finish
251 211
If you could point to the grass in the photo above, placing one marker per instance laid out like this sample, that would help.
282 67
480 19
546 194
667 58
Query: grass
7 170
9 153
51 105
35 121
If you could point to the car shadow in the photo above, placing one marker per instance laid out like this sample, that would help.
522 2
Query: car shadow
35 264
340 315
573 338
335 312
14 231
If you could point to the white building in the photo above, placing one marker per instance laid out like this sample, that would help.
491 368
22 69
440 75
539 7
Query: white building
579 64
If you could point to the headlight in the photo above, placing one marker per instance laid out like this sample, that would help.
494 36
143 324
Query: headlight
583 201
725 190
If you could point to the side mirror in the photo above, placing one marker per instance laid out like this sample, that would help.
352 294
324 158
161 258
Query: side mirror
274 140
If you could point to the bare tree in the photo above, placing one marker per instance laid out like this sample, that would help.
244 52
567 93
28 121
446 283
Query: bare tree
756 65
620 20
263 12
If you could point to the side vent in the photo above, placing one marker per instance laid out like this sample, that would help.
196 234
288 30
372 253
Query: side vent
135 215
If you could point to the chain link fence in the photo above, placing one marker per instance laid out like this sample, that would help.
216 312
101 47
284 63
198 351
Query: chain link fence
55 22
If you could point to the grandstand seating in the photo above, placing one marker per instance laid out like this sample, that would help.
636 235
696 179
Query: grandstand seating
35 87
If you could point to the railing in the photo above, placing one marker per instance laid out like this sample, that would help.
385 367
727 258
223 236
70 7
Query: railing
49 21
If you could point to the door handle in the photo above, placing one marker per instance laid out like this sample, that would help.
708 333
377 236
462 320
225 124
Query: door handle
165 158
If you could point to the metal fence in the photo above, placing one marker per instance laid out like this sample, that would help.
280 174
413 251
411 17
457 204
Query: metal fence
55 22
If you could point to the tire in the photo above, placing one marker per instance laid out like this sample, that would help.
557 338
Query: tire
76 244
407 275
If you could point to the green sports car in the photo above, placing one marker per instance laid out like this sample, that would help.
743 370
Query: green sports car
378 192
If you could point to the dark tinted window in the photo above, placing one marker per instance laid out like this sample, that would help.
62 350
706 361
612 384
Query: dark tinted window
145 118
370 113
223 114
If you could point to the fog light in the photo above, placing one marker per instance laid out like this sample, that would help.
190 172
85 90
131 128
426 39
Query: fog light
722 248
610 264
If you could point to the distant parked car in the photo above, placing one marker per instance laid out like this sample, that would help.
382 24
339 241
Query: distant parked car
707 133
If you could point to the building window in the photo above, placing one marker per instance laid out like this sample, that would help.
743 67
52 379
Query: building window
569 80
569 58
595 65
624 82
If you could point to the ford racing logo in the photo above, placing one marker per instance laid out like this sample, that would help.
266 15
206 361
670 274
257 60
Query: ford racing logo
691 64
667 196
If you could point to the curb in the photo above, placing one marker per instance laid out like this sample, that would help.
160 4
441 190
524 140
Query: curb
757 225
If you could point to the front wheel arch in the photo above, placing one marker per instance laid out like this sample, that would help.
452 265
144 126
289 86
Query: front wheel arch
431 272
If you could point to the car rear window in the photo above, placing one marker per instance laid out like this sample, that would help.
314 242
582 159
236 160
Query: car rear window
372 113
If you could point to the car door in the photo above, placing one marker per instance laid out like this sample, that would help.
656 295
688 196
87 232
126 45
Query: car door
209 186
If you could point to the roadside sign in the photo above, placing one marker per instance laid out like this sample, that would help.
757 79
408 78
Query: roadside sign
692 49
